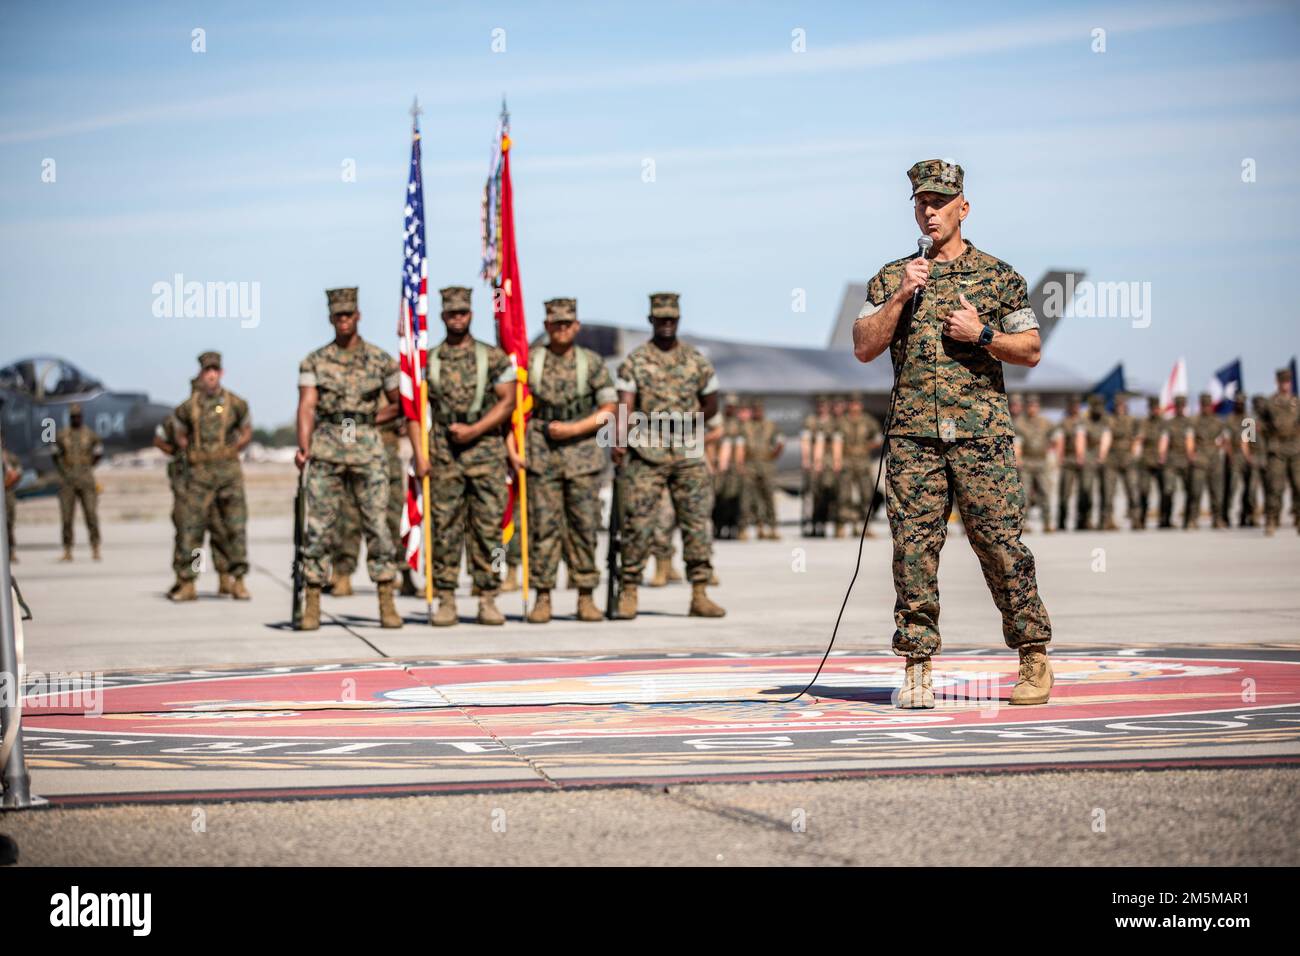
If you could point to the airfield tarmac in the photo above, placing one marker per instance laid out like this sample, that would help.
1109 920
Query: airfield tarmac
1176 713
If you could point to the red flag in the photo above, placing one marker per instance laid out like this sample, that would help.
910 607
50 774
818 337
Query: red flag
508 305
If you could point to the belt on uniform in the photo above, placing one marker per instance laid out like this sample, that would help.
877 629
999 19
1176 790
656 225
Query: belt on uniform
568 411
445 416
342 418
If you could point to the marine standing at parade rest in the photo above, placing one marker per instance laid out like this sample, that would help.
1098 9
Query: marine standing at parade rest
1176 452
667 392
77 449
1209 441
340 448
212 427
1241 466
950 321
1151 478
1281 414
1093 441
1033 441
573 396
471 396
763 446
178 476
1069 481
862 438
1121 465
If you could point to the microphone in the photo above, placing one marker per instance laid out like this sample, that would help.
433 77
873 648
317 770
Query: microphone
923 245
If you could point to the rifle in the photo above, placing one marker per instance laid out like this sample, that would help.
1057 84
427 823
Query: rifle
613 569
299 541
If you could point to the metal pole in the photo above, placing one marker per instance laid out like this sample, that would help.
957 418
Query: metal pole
17 782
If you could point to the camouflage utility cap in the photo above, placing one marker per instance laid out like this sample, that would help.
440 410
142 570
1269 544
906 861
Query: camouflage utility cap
341 300
455 298
561 310
663 305
936 176
1284 375
210 360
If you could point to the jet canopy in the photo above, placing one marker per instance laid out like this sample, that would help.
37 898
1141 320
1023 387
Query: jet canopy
45 378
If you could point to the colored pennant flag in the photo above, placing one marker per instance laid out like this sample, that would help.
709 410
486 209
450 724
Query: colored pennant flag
413 330
1225 386
1110 386
501 270
1176 384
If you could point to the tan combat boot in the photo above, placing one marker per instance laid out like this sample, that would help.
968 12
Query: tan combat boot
311 609
627 601
701 606
185 592
94 553
541 612
1270 529
839 530
487 609
237 589
388 616
587 610
742 534
446 614
1035 683
673 574
342 586
223 584
660 577
67 555
1109 524
511 583
176 585
917 692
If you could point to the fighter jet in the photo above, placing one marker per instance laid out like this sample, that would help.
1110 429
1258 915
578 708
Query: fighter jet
35 394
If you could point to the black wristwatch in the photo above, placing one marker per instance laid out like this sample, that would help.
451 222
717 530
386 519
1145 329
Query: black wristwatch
986 336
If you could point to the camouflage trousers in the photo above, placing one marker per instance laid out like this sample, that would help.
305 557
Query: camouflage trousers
1283 469
1066 484
856 489
825 497
1241 486
661 545
1091 490
757 505
79 488
1171 478
347 546
466 504
1209 475
690 485
1111 477
329 484
216 531
925 476
1150 492
563 518
217 488
1033 482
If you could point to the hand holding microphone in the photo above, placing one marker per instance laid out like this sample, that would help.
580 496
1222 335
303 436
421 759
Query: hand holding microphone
917 273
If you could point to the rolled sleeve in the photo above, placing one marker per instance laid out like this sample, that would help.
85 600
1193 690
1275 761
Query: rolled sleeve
710 384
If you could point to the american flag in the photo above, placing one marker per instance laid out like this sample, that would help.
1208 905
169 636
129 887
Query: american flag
415 341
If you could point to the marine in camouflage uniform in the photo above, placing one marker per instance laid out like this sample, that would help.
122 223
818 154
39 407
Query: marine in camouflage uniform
1281 417
1240 484
667 390
178 473
212 426
13 473
1151 480
347 547
950 434
1033 440
861 438
77 449
1176 462
1096 436
1209 437
573 395
661 544
763 445
1069 479
1120 465
826 445
471 396
339 445
727 479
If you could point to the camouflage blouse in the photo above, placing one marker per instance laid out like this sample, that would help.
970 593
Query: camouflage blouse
348 382
667 384
949 389
557 388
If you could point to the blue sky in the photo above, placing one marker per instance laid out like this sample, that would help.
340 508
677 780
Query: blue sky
774 170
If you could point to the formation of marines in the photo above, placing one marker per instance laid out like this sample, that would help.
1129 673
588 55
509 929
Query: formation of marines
839 453
1240 463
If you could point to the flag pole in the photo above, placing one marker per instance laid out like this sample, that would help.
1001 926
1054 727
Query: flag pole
426 538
